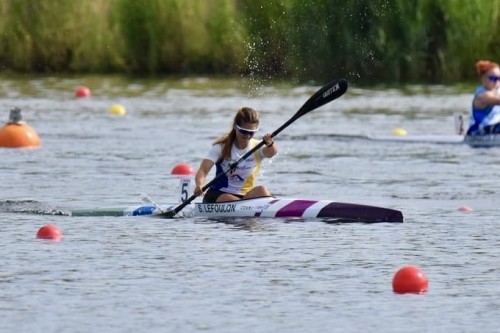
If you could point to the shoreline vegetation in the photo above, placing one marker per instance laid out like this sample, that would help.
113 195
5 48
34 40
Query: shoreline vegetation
368 41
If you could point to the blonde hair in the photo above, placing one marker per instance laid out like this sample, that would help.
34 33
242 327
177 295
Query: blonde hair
482 66
245 115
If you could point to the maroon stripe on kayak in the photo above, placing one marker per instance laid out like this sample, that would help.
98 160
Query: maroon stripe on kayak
362 213
295 208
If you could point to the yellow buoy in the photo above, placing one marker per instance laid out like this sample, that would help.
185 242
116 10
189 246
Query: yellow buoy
16 133
399 132
117 109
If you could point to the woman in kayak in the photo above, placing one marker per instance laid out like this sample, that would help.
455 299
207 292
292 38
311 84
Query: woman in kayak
485 113
238 183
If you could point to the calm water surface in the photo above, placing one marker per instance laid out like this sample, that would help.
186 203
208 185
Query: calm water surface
117 274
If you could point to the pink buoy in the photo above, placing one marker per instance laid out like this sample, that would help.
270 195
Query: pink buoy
410 279
51 232
182 169
82 92
465 209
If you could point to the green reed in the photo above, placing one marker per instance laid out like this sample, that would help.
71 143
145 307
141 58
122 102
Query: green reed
178 36
56 35
364 40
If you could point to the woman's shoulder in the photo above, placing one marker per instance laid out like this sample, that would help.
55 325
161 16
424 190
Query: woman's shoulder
479 90
216 146
215 152
215 149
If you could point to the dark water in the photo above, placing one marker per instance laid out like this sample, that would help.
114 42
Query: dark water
117 274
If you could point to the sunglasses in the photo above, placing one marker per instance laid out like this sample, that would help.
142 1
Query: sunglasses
245 131
494 78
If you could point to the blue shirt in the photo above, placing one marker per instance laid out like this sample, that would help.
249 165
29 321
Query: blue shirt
480 118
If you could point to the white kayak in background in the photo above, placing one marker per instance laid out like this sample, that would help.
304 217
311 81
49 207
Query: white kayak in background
445 139
400 135
475 141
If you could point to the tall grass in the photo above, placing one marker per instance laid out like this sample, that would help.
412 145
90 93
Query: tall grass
56 35
363 40
267 24
178 36
472 34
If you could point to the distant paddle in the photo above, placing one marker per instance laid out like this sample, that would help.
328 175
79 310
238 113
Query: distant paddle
328 93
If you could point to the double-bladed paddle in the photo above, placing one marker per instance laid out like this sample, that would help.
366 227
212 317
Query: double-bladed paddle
326 94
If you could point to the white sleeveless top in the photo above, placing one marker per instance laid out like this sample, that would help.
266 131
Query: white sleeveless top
242 179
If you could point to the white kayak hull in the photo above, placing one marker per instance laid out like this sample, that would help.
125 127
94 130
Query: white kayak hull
267 207
475 141
483 141
444 139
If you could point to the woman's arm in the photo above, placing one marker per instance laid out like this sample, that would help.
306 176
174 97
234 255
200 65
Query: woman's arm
201 175
486 98
270 149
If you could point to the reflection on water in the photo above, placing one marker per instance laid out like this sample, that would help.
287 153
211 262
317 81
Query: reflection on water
30 207
195 275
250 224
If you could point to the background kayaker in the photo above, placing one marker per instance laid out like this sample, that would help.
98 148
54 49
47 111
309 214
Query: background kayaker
238 183
485 112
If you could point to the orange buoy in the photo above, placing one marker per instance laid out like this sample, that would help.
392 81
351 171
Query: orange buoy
51 232
410 279
182 169
16 133
82 91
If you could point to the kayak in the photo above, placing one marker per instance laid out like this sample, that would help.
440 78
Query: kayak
474 141
483 141
430 138
264 207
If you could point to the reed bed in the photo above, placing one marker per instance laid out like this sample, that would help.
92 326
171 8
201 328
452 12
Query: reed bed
435 41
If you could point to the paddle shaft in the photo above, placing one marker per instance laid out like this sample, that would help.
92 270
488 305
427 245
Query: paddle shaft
326 94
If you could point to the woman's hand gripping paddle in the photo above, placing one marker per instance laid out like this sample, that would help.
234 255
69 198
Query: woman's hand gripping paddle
326 94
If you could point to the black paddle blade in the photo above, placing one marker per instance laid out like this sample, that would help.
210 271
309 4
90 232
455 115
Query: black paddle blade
328 93
170 214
